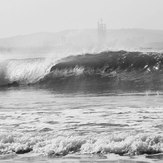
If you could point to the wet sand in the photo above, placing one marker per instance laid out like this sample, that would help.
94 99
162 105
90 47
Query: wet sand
71 158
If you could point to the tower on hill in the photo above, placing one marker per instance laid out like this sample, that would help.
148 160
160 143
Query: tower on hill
102 32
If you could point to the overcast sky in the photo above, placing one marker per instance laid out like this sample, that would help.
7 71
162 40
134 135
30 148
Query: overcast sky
29 16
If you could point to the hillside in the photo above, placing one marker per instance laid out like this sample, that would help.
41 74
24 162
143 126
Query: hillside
80 41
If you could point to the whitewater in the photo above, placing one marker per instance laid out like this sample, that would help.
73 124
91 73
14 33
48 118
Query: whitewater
103 107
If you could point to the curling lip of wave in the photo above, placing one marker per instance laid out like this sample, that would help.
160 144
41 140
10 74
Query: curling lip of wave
23 71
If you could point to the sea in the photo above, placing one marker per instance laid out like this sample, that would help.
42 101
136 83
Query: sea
91 108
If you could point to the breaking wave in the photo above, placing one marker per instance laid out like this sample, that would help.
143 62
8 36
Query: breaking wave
108 68
52 144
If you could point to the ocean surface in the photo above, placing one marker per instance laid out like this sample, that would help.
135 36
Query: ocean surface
98 108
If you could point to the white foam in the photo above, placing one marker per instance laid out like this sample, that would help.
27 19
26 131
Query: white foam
52 144
24 71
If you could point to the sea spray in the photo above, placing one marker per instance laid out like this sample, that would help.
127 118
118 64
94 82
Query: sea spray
24 71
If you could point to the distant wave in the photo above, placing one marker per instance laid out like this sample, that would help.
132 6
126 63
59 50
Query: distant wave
110 68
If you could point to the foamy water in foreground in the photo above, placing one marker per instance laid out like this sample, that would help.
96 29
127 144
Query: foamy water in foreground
39 125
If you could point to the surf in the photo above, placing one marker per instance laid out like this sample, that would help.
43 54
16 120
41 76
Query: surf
55 145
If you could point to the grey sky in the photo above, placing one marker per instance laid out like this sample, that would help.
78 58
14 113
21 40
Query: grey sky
30 16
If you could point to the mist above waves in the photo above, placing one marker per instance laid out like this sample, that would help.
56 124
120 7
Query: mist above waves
70 42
